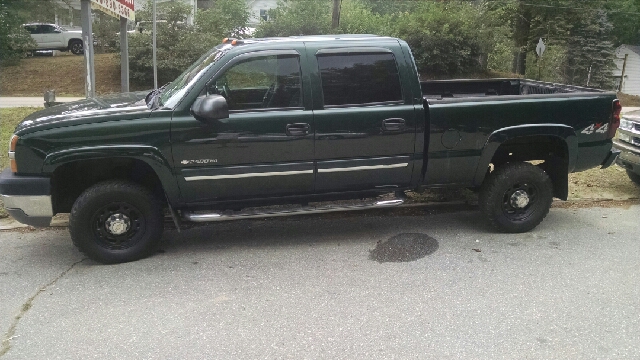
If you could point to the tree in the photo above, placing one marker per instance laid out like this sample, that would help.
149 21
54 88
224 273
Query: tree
179 44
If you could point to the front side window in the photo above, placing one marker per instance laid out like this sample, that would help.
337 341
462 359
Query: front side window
48 29
351 79
261 83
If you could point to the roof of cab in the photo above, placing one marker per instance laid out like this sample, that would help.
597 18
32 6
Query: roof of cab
313 38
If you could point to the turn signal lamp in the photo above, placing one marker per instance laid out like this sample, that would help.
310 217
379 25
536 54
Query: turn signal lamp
225 40
12 153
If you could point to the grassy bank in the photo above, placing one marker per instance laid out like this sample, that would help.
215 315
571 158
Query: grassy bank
65 74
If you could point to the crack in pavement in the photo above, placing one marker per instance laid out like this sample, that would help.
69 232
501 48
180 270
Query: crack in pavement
6 340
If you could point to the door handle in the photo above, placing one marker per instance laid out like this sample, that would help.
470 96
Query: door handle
394 124
299 129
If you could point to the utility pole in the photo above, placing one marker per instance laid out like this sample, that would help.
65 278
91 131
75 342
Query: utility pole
624 68
335 18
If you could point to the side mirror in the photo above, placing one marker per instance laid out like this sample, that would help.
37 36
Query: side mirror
210 108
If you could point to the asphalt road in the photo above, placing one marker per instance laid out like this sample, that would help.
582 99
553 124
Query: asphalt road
312 287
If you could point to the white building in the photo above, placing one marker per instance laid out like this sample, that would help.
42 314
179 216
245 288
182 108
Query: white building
631 80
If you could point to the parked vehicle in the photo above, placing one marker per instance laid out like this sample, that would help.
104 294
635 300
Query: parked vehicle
628 142
299 120
53 37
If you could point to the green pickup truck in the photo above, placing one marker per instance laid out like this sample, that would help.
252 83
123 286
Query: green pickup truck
300 125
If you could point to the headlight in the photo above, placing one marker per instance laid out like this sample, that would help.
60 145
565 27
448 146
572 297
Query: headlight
12 153
626 124
624 137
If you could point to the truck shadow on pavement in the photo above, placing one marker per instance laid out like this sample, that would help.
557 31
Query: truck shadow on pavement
396 236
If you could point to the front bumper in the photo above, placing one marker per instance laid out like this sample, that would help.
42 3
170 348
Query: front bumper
630 157
27 198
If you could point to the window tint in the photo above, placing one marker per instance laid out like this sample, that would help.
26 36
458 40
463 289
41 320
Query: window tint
359 78
262 82
32 29
48 29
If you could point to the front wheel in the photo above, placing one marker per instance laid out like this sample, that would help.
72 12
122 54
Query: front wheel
116 221
516 197
76 47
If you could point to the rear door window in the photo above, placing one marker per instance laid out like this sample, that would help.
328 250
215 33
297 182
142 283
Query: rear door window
362 78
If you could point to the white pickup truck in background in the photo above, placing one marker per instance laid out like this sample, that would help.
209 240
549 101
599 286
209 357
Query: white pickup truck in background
53 37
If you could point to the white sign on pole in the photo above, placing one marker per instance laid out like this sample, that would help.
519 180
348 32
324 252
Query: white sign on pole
540 48
116 8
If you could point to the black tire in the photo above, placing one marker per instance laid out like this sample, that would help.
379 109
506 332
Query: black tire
634 177
516 197
116 221
76 47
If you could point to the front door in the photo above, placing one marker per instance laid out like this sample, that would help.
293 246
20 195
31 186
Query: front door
365 126
264 148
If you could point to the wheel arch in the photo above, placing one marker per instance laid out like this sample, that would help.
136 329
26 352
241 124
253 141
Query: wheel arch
560 144
141 164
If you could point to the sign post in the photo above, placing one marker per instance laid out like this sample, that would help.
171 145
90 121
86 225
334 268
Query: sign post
122 9
540 48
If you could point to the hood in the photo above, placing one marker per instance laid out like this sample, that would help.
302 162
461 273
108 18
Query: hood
632 115
93 110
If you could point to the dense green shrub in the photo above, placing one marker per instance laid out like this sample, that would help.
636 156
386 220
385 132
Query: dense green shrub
179 44
446 37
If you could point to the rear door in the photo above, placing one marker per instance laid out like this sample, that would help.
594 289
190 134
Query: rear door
364 118
264 148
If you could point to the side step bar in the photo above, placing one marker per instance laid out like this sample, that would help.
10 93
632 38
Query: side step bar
240 215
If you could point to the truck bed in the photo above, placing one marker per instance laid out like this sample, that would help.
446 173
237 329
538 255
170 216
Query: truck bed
456 89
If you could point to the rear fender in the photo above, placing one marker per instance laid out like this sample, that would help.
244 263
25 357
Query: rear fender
564 132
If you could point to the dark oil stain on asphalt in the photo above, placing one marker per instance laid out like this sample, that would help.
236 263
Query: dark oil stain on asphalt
403 248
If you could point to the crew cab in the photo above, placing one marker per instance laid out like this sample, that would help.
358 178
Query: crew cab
299 122
53 37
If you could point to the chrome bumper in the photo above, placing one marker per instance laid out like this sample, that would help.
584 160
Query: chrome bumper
34 210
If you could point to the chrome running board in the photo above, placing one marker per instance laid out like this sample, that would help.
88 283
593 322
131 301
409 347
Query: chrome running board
257 214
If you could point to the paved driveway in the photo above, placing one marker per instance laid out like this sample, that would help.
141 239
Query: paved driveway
315 287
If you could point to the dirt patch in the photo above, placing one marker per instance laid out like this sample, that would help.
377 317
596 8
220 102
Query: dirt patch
608 184
629 100
583 204
404 247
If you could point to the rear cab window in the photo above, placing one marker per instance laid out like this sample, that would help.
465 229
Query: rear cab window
359 78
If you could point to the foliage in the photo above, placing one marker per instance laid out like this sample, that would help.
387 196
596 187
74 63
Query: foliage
14 40
179 44
447 38
297 17
106 29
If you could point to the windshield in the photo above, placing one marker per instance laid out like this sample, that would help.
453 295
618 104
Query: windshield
177 88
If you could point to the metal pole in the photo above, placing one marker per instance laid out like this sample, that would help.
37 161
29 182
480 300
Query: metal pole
624 68
124 55
87 39
155 64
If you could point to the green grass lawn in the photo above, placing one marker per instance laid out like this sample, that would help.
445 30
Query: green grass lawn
9 118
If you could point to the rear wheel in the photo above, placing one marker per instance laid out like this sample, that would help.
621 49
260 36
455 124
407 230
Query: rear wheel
76 47
634 177
516 197
116 221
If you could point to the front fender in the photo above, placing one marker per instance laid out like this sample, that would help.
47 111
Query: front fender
149 154
500 136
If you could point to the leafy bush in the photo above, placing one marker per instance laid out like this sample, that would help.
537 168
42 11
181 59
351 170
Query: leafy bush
179 44
446 37
14 39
